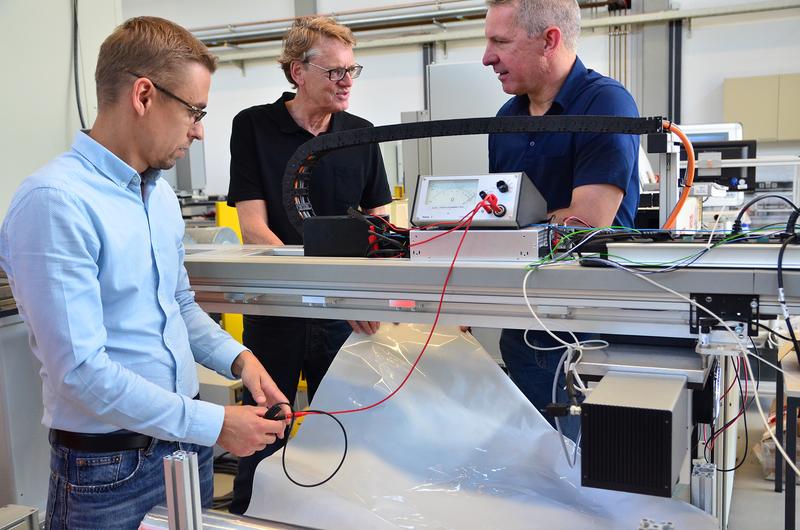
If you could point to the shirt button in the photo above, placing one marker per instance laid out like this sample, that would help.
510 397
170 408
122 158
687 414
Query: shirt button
532 143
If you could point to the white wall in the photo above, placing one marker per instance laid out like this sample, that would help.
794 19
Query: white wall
390 84
734 46
234 89
392 81
592 48
202 13
39 111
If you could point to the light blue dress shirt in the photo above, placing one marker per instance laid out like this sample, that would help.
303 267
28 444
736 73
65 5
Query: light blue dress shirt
96 268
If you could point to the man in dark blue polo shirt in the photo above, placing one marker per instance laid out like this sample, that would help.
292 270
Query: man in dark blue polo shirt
586 178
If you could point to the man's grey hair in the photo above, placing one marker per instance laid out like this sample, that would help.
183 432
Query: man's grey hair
535 16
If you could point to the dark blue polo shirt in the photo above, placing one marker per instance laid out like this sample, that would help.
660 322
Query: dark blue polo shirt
559 162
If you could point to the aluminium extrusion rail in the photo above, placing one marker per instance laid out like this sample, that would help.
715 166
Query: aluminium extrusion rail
251 280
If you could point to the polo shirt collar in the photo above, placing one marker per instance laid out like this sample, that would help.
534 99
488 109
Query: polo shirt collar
287 124
106 162
569 90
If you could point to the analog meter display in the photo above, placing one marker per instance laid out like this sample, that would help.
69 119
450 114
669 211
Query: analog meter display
452 193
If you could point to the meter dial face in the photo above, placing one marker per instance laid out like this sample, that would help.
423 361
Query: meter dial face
452 193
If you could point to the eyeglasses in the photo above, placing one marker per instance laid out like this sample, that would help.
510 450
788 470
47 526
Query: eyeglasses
197 113
337 74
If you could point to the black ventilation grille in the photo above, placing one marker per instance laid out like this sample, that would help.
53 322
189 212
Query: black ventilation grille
626 449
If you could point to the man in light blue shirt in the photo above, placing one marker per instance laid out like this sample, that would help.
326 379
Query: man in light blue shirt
92 245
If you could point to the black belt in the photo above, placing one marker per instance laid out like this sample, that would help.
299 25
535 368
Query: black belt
100 443
103 442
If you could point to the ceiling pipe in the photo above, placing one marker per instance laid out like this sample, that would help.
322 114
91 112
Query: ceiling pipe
365 20
232 36
433 30
370 10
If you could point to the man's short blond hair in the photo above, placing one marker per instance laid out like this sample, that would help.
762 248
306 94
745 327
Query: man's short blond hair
535 16
148 46
305 33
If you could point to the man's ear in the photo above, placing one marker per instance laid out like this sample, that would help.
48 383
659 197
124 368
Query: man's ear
298 73
142 94
552 40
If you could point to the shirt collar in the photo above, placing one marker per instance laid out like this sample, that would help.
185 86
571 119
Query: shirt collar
287 124
569 90
106 162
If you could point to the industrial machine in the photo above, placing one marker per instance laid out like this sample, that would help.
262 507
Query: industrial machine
642 403
568 296
565 296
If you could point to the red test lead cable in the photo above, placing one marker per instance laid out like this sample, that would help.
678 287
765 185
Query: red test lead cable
467 222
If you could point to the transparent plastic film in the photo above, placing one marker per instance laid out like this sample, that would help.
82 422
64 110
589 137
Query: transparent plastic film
458 447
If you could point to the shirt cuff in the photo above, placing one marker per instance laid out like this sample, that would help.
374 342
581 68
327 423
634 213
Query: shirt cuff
223 360
205 422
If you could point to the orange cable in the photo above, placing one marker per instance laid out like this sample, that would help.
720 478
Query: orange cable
690 163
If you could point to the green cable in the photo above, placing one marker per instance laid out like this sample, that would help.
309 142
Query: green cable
549 258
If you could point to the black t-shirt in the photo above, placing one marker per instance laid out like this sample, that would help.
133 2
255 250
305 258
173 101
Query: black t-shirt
264 138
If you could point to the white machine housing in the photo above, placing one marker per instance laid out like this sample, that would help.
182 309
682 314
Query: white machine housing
445 200
524 245
635 429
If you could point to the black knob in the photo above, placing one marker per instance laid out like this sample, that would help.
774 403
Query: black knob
502 186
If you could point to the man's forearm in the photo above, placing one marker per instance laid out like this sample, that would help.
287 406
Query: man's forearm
380 210
580 217
260 236
240 361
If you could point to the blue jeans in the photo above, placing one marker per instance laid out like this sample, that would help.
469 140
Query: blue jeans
91 490
285 346
533 371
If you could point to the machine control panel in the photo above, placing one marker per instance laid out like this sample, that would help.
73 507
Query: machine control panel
446 200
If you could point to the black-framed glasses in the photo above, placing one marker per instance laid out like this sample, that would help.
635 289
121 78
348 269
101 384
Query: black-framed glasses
197 113
337 74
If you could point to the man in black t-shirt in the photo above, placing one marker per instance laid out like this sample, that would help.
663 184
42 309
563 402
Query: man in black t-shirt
317 59
264 138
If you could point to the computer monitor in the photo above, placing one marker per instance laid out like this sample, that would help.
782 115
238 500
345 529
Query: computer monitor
712 132
733 178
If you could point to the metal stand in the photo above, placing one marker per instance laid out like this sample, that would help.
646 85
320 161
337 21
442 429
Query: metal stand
791 451
668 170
182 481
17 517
790 387
779 430
725 458
724 454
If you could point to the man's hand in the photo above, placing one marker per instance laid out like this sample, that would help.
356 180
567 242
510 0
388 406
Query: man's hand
465 329
245 431
256 379
364 326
